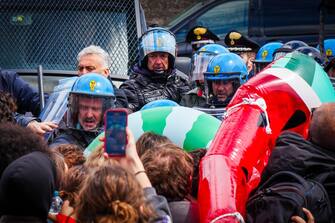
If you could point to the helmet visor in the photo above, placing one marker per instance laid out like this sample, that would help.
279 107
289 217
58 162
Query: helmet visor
86 112
259 66
200 62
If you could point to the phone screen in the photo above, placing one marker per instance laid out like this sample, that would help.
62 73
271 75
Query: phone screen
115 132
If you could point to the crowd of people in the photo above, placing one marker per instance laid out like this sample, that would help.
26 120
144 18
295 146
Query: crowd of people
156 181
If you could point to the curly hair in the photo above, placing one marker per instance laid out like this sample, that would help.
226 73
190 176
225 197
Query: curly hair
72 183
16 141
7 108
196 155
150 140
111 194
97 158
73 155
169 169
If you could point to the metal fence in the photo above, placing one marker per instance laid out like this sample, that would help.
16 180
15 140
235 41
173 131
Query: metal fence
52 32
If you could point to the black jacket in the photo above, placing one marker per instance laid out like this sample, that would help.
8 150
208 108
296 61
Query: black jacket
145 86
27 98
73 136
120 96
296 154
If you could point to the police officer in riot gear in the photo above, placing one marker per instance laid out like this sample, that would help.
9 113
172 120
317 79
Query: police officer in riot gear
91 95
225 73
311 52
196 96
288 48
264 56
154 77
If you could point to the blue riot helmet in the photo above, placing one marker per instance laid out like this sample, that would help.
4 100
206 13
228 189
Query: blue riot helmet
312 52
159 103
225 73
157 39
201 59
91 95
264 55
288 48
329 46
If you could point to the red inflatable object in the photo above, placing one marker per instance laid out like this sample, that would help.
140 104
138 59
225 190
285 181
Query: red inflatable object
261 109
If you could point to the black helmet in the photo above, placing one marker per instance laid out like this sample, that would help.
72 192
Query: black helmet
288 48
312 52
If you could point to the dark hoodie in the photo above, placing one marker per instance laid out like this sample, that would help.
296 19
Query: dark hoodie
26 189
296 154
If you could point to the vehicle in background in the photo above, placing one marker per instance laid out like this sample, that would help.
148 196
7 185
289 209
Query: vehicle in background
262 20
52 32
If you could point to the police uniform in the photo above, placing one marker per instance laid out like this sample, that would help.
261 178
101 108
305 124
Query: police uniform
199 36
237 43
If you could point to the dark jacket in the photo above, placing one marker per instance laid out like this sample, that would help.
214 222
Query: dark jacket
27 98
184 211
120 96
145 86
194 98
159 204
73 136
296 154
27 186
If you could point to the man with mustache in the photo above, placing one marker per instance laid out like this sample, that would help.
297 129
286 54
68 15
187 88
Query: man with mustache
91 95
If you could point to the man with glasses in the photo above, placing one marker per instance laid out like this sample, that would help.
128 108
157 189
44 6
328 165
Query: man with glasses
95 59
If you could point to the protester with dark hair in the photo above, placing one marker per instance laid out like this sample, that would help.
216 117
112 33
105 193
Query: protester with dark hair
150 140
7 108
197 156
27 100
312 159
26 189
126 194
16 141
170 170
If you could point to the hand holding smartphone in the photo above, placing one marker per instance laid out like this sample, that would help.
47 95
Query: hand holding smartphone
116 121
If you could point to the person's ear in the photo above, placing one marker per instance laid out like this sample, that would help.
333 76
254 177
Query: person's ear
106 72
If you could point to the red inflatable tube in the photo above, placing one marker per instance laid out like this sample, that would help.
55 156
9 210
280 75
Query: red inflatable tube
261 109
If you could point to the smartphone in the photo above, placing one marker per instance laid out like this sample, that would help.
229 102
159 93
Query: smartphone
116 121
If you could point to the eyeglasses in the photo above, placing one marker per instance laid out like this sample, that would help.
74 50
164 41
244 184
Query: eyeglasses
88 68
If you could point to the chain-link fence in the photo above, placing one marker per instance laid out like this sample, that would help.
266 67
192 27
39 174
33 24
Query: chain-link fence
52 32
